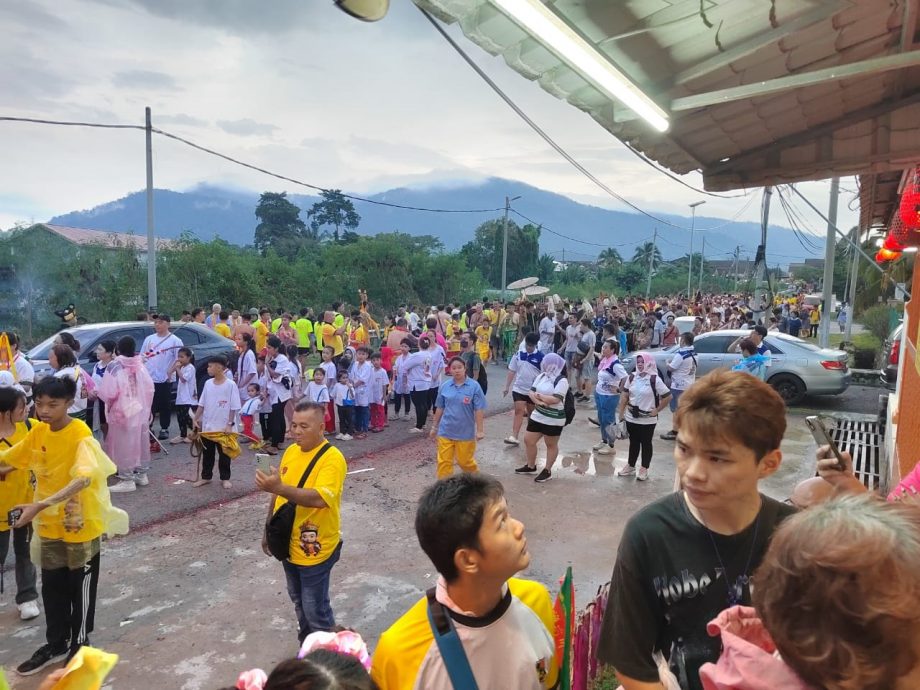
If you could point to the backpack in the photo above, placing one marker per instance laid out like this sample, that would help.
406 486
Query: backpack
569 402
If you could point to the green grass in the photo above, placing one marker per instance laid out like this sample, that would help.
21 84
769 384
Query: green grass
861 341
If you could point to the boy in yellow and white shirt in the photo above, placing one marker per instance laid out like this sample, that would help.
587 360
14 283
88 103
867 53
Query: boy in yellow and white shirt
71 511
505 625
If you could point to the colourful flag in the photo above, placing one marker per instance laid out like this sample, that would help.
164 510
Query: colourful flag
564 608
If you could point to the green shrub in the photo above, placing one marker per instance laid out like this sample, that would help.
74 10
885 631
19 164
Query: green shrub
877 320
606 679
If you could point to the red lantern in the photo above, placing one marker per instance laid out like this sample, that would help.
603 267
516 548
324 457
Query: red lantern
910 202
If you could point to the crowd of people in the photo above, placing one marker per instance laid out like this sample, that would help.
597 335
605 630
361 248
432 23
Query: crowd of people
682 611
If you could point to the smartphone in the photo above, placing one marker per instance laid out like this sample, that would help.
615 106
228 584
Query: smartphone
823 438
13 516
263 462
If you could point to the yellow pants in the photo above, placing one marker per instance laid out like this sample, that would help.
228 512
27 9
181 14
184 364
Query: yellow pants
463 450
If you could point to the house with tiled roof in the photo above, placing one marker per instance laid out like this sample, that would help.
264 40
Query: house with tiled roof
108 239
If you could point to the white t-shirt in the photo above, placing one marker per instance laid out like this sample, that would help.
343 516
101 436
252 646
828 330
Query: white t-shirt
329 368
438 362
76 374
683 368
317 392
380 382
572 334
245 367
547 333
276 390
524 374
551 415
418 369
187 386
364 373
159 353
251 407
642 396
25 373
263 388
219 404
610 377
340 392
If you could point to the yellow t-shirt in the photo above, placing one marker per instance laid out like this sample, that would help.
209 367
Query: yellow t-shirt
483 335
316 532
223 329
15 487
359 337
332 339
276 324
261 335
815 316
57 458
304 328
513 650
338 320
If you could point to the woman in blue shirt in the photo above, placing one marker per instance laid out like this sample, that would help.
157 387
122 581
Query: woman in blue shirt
458 420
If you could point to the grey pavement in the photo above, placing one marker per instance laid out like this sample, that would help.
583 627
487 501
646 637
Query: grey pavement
188 599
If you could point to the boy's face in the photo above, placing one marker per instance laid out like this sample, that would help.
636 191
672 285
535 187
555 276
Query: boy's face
361 356
502 546
215 369
253 393
376 362
718 472
319 376
52 410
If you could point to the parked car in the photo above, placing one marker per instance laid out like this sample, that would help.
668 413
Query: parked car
799 368
892 350
203 342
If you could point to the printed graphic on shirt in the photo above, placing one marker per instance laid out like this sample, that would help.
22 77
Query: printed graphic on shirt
309 539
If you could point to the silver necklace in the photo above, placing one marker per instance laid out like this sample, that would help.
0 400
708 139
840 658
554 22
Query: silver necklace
735 593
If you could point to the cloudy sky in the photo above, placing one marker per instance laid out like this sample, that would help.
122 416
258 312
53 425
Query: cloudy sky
290 85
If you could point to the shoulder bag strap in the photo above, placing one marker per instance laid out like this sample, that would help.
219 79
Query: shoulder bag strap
449 645
319 454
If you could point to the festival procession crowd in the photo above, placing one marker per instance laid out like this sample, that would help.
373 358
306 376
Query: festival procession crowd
837 598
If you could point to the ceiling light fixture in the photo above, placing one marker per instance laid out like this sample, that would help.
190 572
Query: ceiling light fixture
541 23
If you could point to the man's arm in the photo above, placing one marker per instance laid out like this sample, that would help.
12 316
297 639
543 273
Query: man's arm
31 510
271 483
736 344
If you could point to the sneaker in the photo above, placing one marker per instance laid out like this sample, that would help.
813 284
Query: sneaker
29 610
512 441
200 483
339 436
604 450
176 440
44 656
393 417
140 478
626 471
544 476
227 484
163 435
347 437
525 469
670 436
416 430
123 487
592 420
598 446
643 474
405 417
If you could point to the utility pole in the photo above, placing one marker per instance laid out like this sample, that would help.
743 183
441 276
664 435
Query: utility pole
651 264
151 240
692 227
702 260
761 273
505 244
825 328
735 267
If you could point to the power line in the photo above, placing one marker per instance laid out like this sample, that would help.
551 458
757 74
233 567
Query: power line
572 239
212 152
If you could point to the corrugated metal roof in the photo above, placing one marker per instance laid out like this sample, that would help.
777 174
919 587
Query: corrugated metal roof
105 238
684 49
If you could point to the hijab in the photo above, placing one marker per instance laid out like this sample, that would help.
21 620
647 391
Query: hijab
552 365
647 364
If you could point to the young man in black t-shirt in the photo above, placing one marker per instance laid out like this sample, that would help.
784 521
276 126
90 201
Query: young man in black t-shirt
688 556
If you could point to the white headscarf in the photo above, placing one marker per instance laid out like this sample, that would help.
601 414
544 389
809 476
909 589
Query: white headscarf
552 365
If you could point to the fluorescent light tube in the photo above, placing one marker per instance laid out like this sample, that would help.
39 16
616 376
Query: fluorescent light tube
541 23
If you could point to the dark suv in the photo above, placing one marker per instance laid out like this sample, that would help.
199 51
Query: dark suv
203 342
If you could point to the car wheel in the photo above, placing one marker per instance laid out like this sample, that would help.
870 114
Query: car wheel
790 388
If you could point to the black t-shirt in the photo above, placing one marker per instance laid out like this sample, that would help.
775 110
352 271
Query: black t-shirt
668 583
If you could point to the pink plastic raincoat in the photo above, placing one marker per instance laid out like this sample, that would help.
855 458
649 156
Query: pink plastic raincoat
127 391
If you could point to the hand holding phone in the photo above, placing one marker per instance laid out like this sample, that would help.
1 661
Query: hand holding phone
823 438
263 462
12 517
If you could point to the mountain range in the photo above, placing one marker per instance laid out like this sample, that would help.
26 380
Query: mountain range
571 230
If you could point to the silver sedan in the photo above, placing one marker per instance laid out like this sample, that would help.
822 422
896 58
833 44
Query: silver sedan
799 368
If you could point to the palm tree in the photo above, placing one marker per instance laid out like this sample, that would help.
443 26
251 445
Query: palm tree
609 258
646 254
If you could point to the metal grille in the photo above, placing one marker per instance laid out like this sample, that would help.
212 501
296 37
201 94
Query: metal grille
863 441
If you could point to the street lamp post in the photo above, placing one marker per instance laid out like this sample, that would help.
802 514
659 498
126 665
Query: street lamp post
505 244
692 226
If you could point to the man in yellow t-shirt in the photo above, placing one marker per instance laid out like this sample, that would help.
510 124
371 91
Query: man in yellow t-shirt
222 327
505 624
263 329
316 541
71 512
332 335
